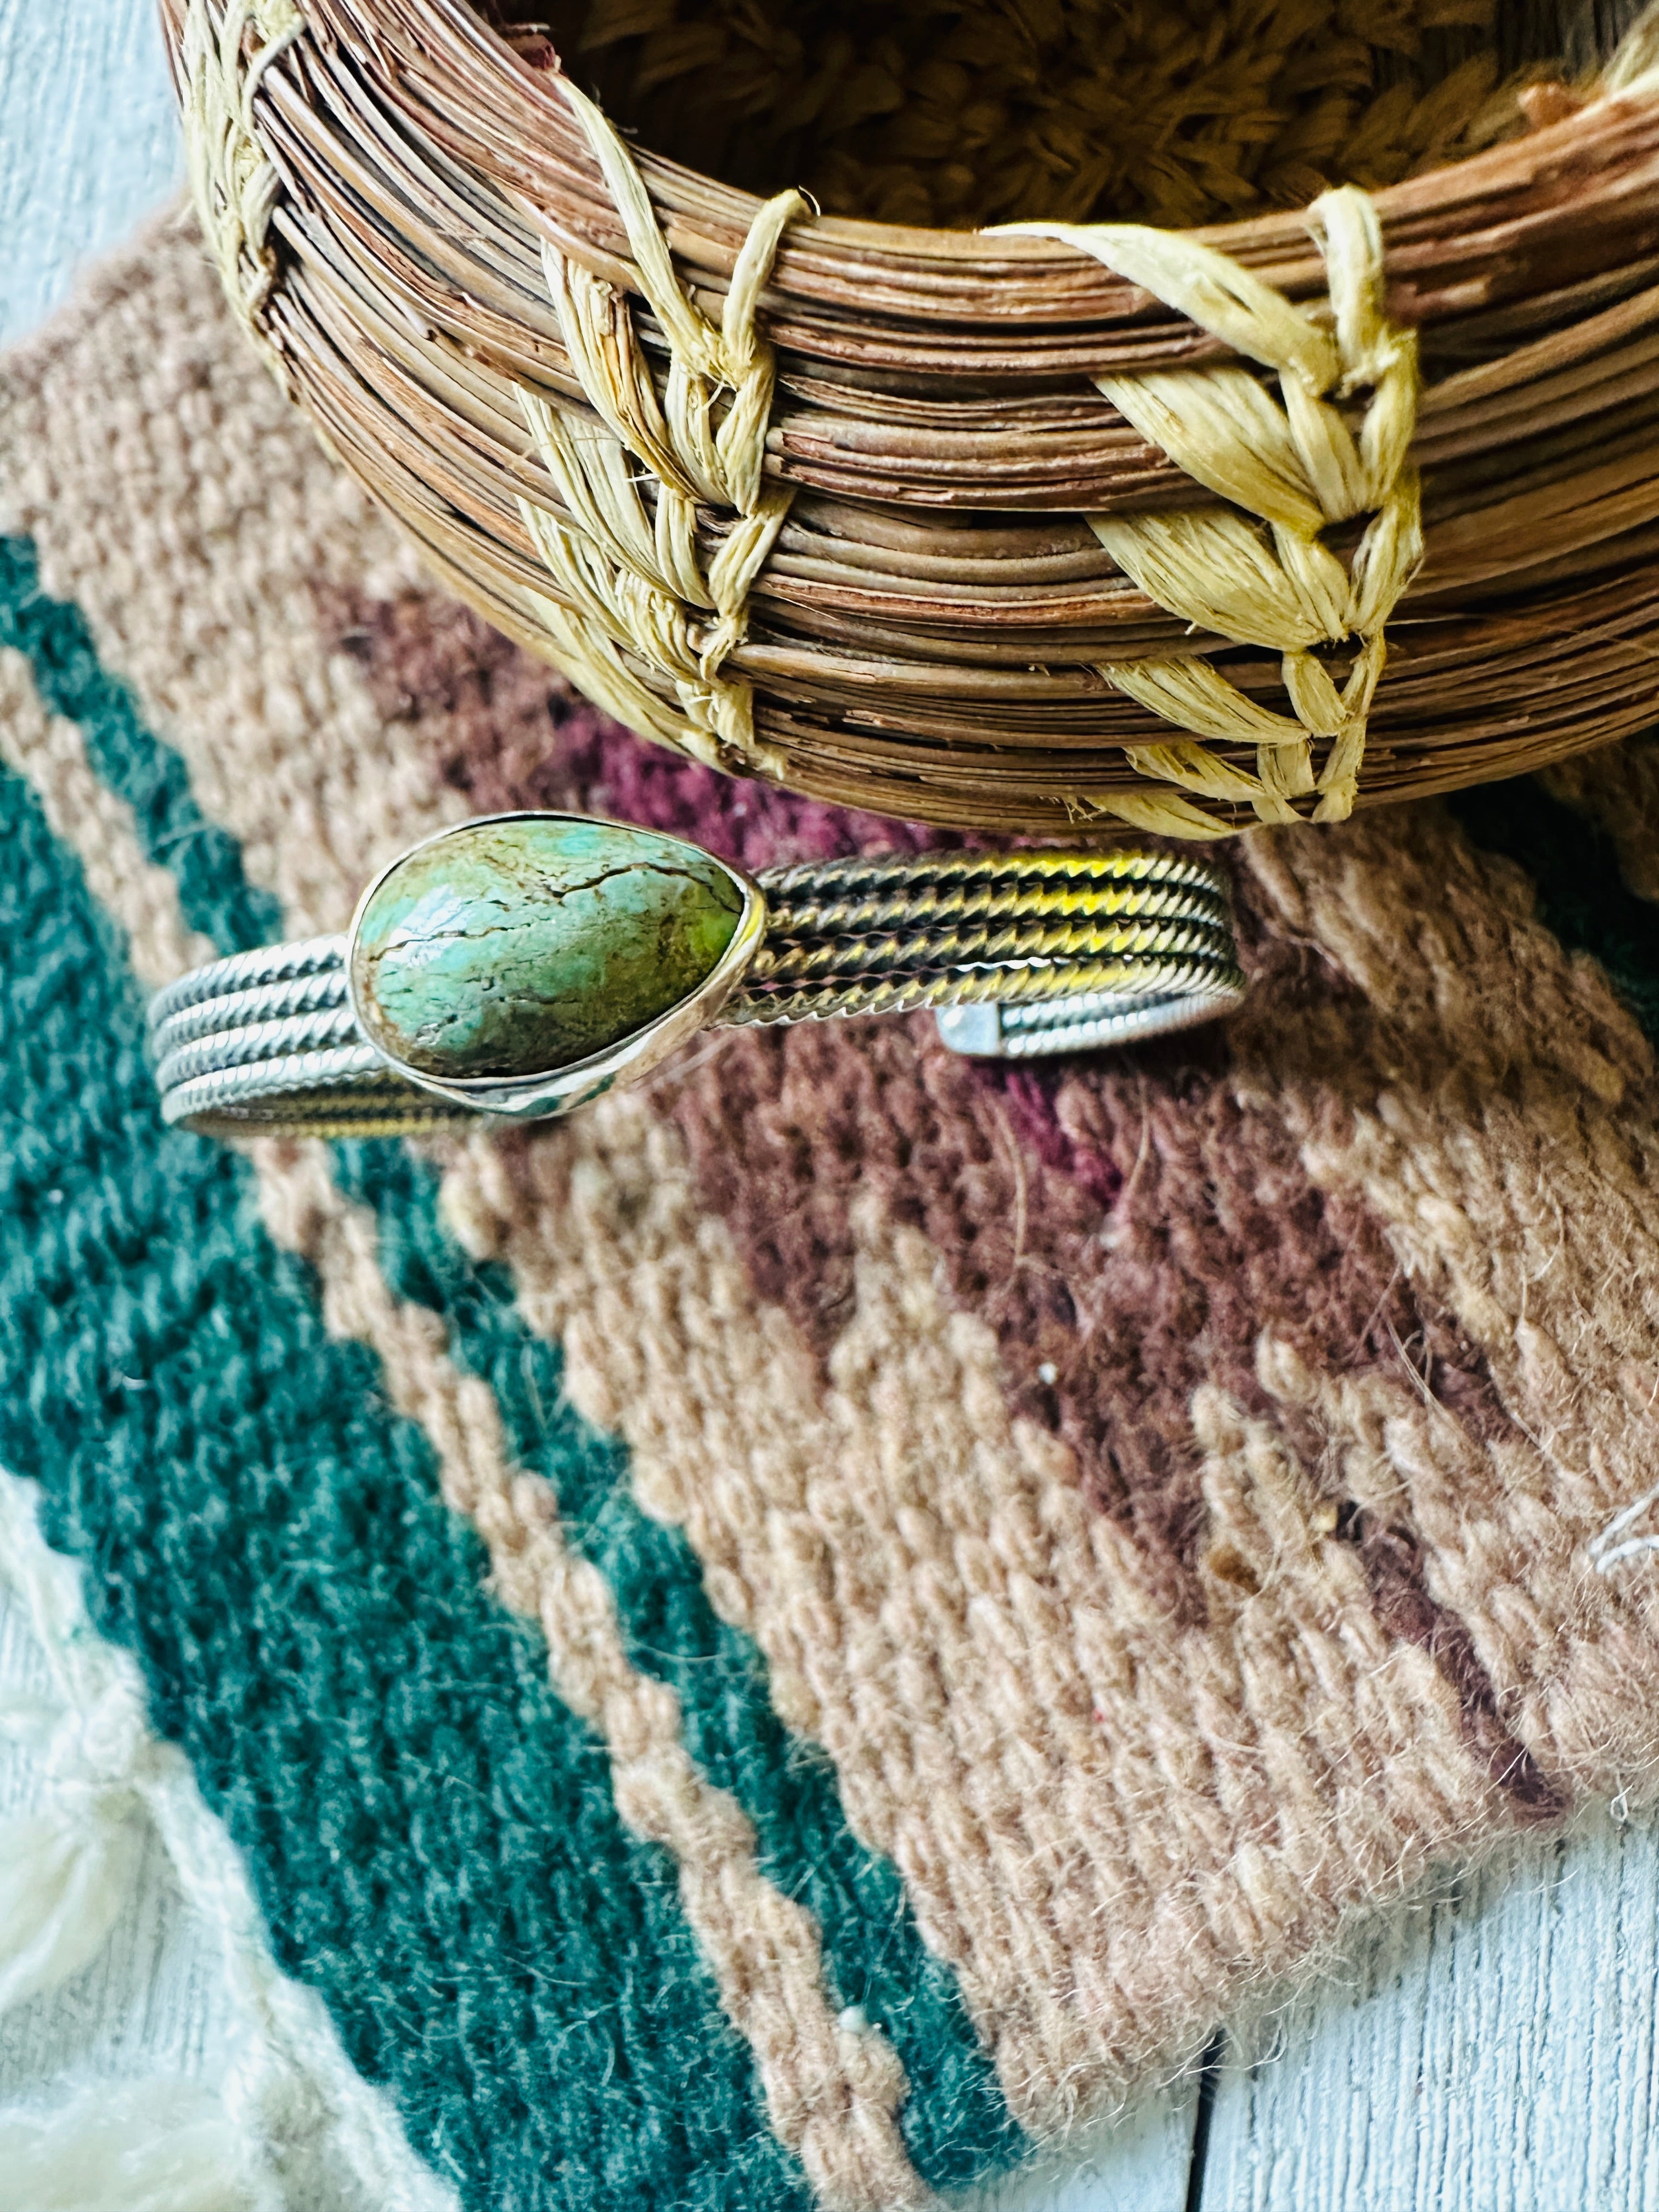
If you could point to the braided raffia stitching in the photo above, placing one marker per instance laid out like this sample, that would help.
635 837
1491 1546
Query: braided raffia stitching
226 49
630 580
1297 466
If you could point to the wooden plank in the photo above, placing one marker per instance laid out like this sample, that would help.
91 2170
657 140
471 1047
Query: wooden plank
155 2002
88 142
1137 2163
1492 2048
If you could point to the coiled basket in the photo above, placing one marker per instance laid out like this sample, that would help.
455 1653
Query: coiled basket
1052 522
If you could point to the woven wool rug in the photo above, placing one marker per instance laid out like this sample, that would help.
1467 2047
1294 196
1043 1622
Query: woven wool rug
785 1639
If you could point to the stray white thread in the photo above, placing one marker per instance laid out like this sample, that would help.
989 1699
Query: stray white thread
1602 1558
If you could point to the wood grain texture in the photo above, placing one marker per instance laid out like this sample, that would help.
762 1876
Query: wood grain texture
1138 2163
154 2004
88 142
1492 2049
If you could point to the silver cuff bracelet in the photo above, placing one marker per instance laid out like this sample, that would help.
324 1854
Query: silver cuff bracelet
519 965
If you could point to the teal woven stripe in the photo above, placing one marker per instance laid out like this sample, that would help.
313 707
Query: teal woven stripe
955 2122
206 862
1582 896
431 1834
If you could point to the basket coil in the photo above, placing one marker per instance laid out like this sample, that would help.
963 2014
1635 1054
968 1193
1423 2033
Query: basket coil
1017 529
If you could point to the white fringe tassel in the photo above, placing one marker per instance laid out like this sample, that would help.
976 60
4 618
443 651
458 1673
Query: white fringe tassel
283 2123
161 2146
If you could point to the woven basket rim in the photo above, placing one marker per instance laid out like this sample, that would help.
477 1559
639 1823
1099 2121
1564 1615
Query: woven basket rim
549 167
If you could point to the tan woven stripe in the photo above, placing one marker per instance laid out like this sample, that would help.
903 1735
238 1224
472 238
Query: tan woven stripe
1497 1109
177 499
832 2091
48 753
1404 1459
1107 1821
1331 1700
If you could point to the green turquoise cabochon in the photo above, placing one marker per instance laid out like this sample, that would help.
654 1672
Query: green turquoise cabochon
524 944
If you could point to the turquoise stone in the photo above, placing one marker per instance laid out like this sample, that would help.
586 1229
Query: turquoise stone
520 947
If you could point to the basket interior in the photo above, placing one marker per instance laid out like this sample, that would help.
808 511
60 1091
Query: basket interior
956 114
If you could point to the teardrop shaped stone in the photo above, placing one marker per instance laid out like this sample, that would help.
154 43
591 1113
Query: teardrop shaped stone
518 947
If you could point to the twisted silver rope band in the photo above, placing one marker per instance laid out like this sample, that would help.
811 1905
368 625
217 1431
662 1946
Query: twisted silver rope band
1021 954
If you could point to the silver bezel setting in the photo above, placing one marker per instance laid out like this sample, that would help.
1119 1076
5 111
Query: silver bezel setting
561 1090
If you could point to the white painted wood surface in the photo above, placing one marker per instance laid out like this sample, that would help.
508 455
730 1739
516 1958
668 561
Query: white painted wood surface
153 2004
88 142
1138 2163
1491 2051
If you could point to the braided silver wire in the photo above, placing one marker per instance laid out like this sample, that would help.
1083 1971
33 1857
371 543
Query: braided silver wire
240 971
279 999
216 1089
